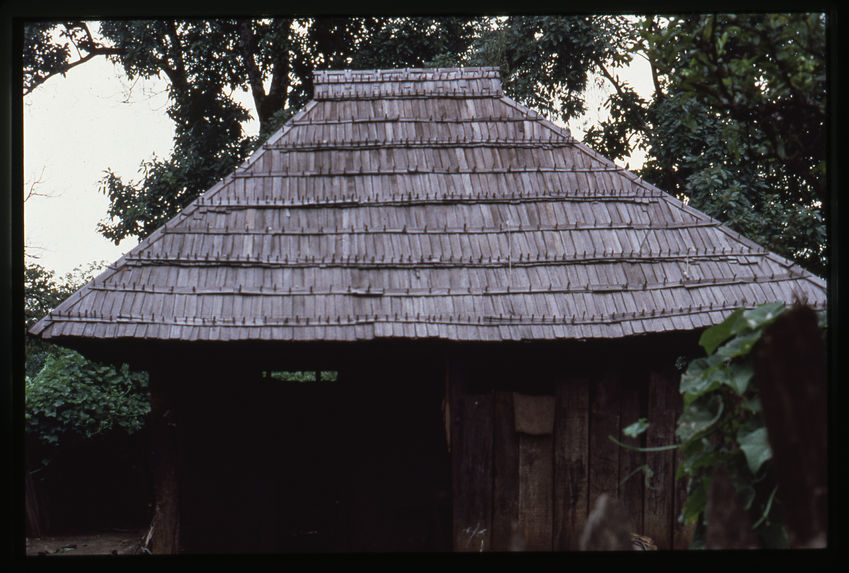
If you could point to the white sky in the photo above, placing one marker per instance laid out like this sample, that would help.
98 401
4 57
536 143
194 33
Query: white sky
77 126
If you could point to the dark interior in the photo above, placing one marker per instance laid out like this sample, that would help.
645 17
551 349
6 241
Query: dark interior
358 464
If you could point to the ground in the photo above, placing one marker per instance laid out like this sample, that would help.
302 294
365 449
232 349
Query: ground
111 543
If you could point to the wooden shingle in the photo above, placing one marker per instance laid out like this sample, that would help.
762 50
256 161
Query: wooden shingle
424 203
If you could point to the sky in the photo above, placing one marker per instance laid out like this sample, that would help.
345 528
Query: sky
94 119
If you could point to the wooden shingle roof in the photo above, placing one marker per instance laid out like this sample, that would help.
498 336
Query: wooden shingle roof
425 203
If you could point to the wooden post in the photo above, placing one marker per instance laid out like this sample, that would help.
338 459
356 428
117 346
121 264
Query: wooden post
165 529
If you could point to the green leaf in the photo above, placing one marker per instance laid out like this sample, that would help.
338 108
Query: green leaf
640 449
694 457
696 502
759 316
768 506
738 377
716 335
699 417
636 428
739 345
752 404
700 378
755 446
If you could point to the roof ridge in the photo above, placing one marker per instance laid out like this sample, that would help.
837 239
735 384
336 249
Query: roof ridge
407 83
321 77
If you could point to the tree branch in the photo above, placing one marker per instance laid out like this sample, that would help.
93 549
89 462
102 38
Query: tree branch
177 73
278 93
247 48
64 68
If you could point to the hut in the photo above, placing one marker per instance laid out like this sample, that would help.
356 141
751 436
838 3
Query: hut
484 299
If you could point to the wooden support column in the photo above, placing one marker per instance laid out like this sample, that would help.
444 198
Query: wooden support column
165 529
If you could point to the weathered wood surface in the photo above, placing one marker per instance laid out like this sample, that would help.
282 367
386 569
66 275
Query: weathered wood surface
426 204
571 462
506 535
536 492
472 462
607 527
659 499
604 422
631 476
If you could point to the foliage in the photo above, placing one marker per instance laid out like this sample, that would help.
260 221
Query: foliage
301 375
67 396
74 397
545 62
737 124
42 293
205 61
48 49
722 425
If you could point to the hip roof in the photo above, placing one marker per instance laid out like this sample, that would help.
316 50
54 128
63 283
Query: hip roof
423 203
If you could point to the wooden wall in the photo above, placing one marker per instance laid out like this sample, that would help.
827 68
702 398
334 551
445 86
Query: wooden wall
531 451
512 459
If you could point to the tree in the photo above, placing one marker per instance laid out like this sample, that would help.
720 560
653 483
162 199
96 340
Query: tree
67 394
737 124
546 61
205 61
42 293
72 397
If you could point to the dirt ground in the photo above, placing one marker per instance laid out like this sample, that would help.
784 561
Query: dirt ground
112 543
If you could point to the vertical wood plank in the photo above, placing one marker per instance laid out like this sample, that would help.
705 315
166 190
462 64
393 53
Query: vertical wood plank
604 422
505 517
471 462
659 498
682 534
536 491
571 462
631 489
